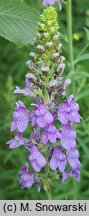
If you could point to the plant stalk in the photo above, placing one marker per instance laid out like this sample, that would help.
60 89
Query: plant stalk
69 32
49 193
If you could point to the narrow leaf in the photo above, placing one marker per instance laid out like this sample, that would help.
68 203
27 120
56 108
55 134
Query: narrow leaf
82 58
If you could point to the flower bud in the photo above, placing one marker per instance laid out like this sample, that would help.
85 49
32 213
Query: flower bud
59 46
31 77
60 68
30 64
45 69
38 36
32 55
41 26
52 85
66 83
40 48
49 45
46 35
55 56
56 36
52 29
62 58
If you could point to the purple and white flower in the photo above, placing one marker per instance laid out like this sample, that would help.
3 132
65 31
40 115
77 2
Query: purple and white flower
27 179
68 136
20 118
18 141
51 2
36 158
58 160
68 111
41 116
50 133
68 173
73 158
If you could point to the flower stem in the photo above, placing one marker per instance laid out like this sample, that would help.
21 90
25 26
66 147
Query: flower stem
49 193
70 40
69 26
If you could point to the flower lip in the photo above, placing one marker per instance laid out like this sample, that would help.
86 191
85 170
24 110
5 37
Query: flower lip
58 159
36 158
41 116
20 118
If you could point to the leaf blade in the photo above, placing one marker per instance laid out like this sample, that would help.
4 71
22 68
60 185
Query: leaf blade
17 22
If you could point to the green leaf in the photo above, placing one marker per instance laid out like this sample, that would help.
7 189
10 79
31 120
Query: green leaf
82 95
18 21
82 58
87 33
83 74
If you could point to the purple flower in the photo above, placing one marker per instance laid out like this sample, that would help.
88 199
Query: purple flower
27 179
75 173
27 91
68 111
73 158
50 133
20 118
35 136
46 2
31 77
18 141
36 159
68 136
58 160
51 2
41 116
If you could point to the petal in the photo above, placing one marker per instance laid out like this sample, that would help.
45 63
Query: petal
74 163
33 117
22 120
41 122
25 92
42 108
58 134
44 138
48 118
37 157
41 160
66 175
68 143
52 137
35 166
29 184
13 126
13 144
53 163
24 169
73 153
61 165
74 117
64 107
63 117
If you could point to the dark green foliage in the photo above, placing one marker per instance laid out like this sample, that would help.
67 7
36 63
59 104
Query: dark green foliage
12 72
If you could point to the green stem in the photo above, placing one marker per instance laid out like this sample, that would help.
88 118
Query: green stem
49 193
46 95
70 40
69 29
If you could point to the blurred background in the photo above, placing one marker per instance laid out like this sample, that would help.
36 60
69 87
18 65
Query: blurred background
12 71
